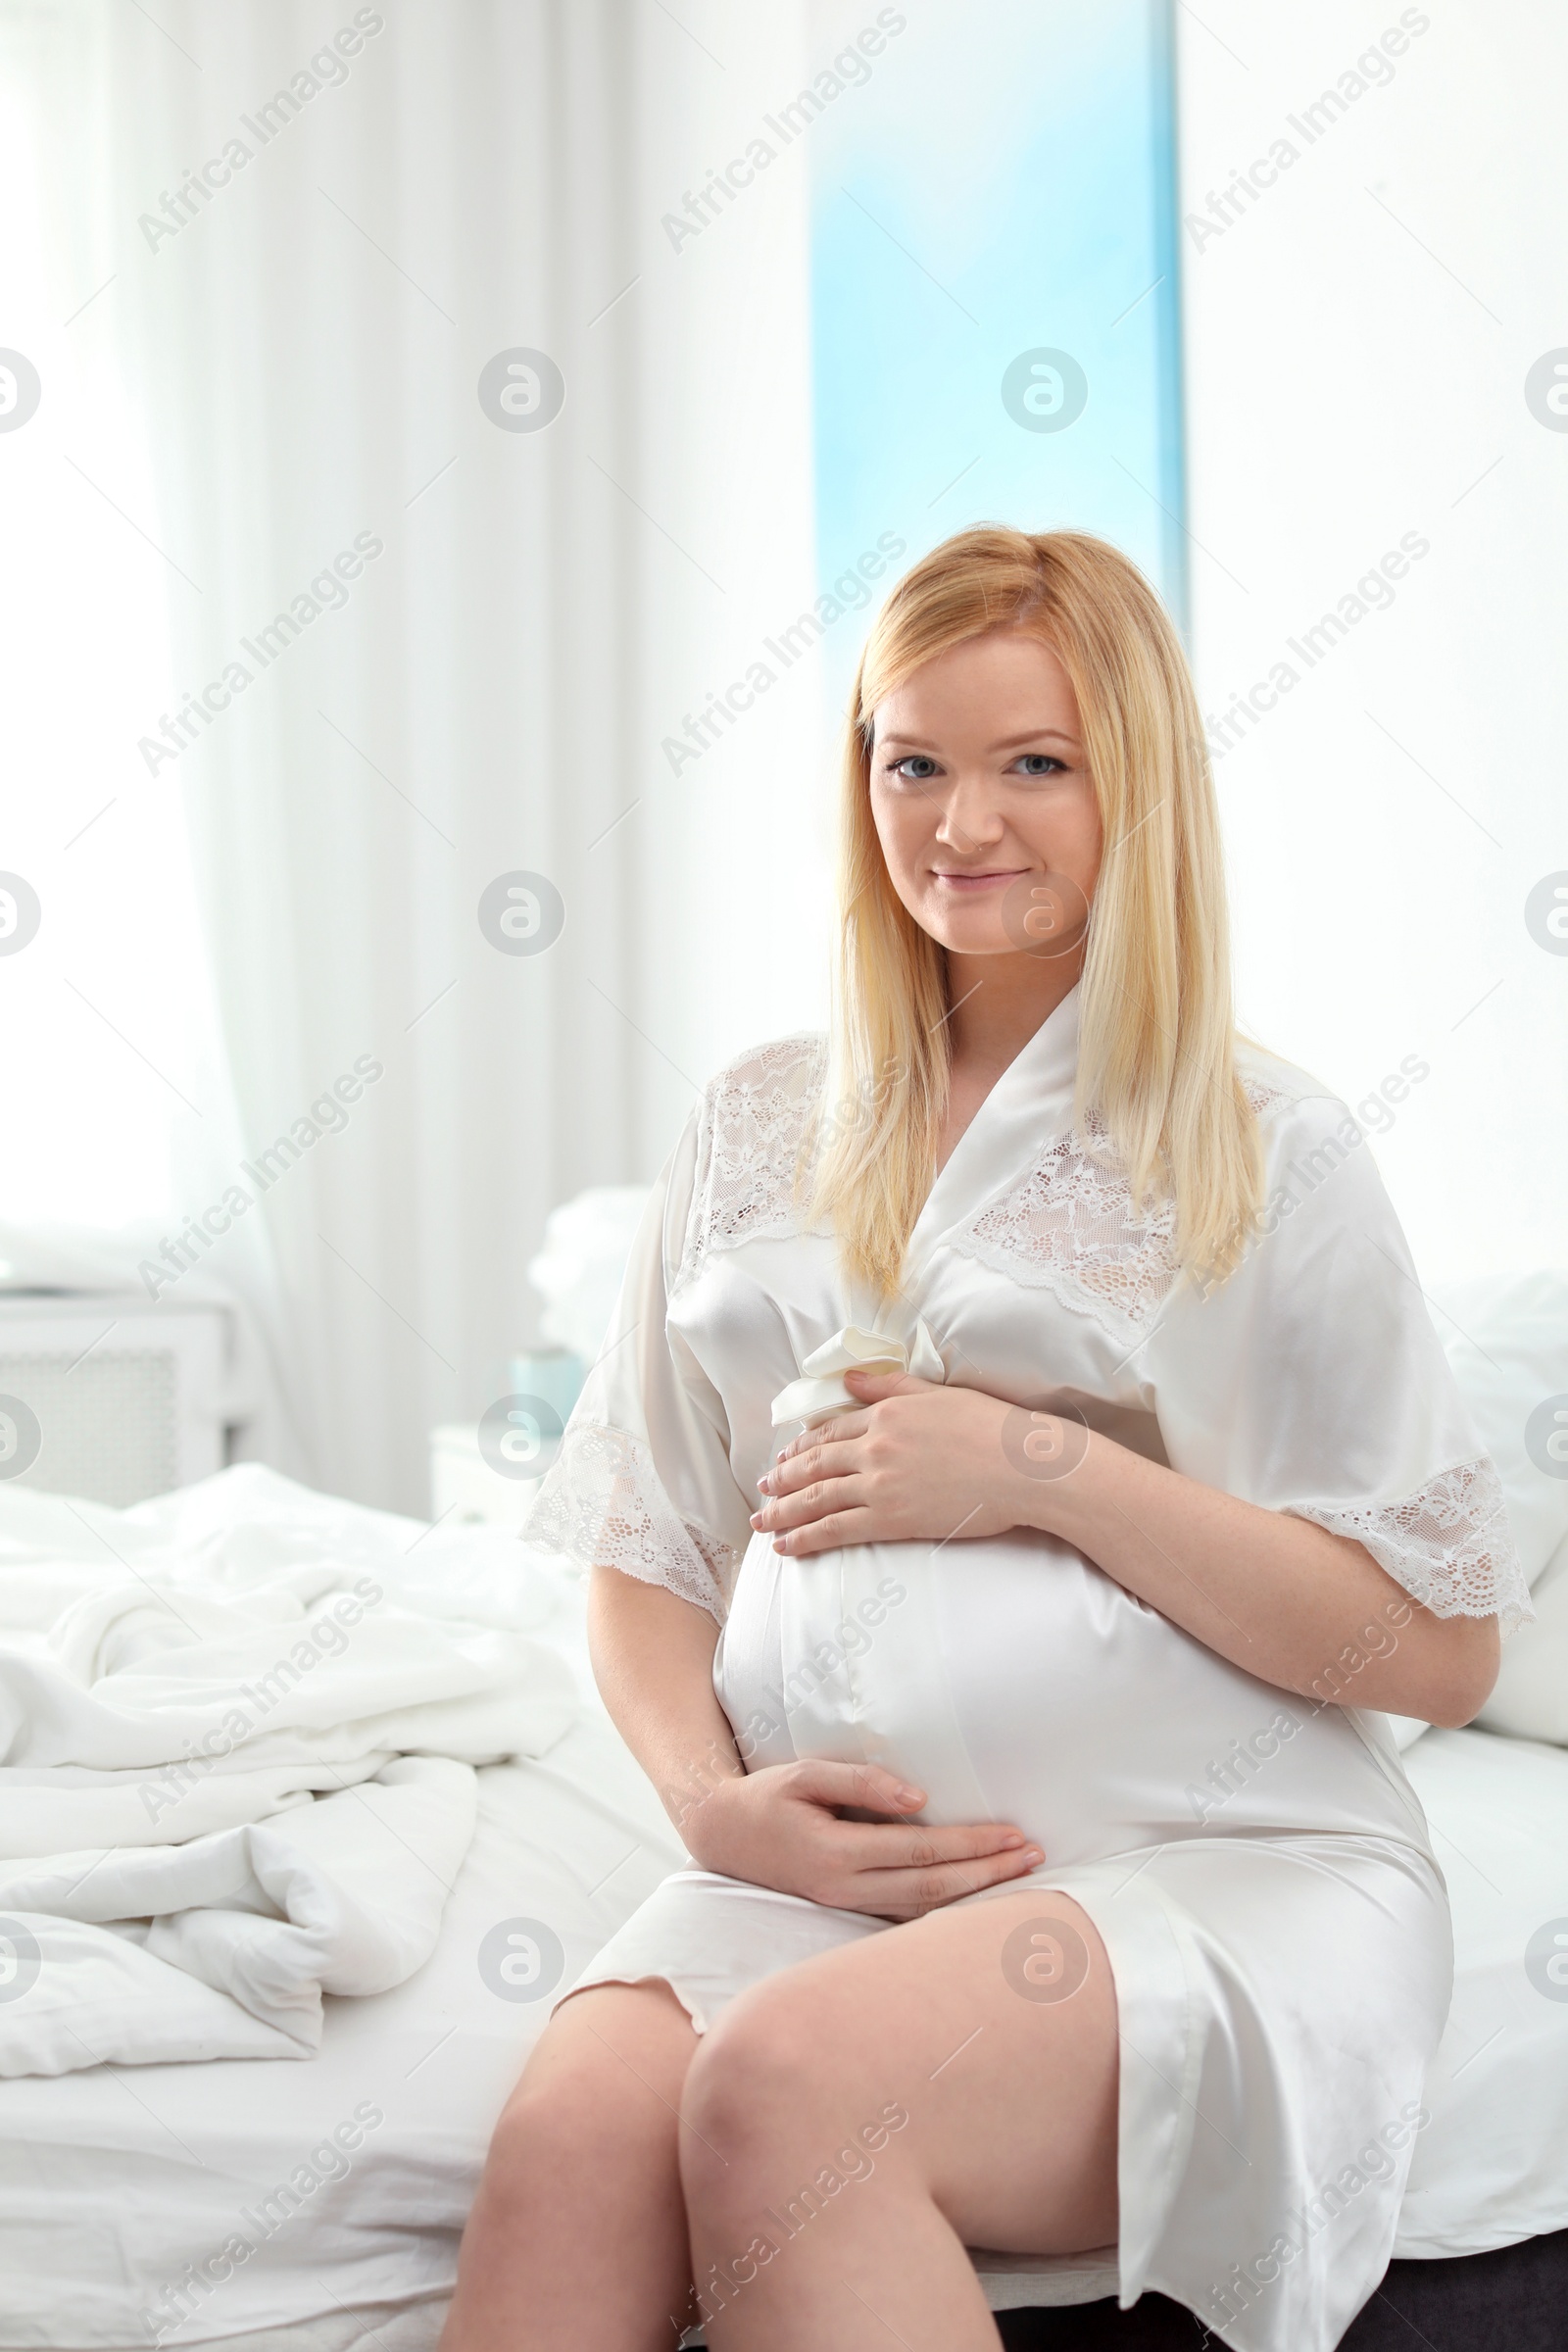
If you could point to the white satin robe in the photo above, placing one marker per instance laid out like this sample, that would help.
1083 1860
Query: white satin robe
1257 1864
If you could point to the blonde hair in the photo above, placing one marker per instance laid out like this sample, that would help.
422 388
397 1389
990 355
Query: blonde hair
1156 1055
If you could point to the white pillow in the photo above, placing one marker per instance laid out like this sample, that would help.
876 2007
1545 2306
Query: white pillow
1531 1697
1506 1339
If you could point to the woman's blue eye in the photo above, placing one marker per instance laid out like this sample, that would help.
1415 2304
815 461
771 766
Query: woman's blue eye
917 768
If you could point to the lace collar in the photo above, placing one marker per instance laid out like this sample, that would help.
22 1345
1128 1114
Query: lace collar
1027 1109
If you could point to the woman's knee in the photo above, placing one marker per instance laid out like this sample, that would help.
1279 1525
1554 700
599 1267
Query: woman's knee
733 2089
587 2108
765 2091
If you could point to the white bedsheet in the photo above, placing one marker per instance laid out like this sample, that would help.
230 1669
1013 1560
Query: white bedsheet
116 2183
231 1779
1492 2165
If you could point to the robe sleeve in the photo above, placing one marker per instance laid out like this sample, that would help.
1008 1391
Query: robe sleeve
642 1480
1312 1380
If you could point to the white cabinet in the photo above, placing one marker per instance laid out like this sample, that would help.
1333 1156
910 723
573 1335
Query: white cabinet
105 1397
464 1490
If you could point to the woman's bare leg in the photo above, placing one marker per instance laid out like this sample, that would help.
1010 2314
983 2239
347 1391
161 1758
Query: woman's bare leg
577 2235
853 2123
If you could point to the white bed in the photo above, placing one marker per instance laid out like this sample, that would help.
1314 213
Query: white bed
115 2180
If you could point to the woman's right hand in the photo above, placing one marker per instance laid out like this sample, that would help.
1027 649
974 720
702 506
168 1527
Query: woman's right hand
783 1827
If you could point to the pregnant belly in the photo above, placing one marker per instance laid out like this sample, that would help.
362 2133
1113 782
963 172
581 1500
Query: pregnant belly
1012 1681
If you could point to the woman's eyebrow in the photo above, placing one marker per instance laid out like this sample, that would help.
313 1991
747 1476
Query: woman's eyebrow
1010 743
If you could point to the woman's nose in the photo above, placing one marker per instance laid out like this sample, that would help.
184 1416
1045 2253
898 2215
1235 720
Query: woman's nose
969 818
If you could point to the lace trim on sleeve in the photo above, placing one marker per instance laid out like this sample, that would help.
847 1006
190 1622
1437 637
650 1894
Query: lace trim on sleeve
754 1122
1447 1544
601 1505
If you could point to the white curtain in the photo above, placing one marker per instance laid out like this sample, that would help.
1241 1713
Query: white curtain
517 622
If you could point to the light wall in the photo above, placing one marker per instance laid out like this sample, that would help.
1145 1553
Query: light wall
1357 339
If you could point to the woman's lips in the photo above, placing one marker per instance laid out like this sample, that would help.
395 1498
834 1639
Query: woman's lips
981 881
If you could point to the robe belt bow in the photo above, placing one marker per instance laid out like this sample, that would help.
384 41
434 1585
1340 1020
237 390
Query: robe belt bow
821 1391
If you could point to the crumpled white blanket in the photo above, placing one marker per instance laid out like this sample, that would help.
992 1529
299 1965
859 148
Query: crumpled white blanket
238 1733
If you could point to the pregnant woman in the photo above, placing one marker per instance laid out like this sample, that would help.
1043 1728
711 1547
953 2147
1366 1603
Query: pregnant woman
1021 1473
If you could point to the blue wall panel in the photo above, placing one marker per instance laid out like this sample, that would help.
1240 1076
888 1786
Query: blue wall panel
1000 186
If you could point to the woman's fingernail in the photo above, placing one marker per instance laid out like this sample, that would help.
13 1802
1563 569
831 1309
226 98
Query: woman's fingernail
912 1796
1013 1838
1032 1855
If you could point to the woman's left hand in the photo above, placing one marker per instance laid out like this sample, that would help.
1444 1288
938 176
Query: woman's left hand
917 1461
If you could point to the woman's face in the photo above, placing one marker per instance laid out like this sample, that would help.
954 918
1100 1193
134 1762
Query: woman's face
979 793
